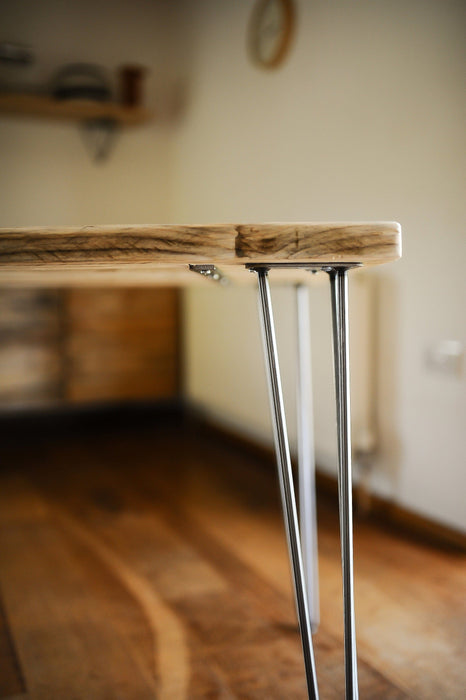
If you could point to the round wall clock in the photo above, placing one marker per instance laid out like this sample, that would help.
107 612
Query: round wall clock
270 31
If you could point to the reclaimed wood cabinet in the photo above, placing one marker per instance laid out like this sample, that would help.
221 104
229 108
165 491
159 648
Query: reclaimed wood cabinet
87 345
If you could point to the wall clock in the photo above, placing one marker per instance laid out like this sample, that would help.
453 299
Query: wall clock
271 31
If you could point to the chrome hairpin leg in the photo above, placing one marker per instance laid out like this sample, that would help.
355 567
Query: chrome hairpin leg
285 477
339 287
306 459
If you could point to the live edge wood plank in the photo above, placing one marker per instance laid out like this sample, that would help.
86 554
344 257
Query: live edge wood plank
94 248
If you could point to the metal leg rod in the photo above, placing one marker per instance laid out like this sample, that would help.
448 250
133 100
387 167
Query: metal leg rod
339 288
306 459
286 478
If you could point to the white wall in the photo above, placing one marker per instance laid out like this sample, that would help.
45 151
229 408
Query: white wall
364 121
46 175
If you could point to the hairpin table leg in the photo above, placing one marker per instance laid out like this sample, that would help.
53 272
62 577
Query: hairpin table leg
306 459
286 478
339 287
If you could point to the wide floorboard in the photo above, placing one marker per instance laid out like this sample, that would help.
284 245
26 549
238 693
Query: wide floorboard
150 562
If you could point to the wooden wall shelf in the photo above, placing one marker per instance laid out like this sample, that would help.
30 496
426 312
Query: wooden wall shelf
73 110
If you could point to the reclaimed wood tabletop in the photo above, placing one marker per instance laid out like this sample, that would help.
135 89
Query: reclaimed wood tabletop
161 254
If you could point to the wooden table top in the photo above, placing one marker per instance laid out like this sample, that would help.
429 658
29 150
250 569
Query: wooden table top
151 254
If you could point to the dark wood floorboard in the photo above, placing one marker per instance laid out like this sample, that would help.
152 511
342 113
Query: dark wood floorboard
151 563
11 680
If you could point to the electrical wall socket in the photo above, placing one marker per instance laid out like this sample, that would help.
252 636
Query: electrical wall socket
446 356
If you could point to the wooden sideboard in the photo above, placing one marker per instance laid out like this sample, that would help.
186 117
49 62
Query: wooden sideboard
85 345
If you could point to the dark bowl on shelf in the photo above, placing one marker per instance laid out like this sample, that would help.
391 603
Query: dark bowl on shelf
81 81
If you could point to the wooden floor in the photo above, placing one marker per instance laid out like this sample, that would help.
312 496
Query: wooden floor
151 563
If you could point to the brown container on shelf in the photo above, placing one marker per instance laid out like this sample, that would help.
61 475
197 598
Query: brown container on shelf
130 78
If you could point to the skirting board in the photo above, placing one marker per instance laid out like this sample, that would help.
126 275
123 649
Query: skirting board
369 506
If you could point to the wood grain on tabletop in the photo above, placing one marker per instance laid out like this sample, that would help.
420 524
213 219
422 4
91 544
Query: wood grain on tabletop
132 567
94 248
